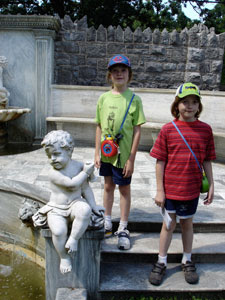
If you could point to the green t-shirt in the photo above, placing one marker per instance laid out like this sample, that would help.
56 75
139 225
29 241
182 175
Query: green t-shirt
110 113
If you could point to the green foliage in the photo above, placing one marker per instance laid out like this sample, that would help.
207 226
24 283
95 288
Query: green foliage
133 13
216 17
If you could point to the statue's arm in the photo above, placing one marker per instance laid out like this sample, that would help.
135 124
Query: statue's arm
58 178
88 194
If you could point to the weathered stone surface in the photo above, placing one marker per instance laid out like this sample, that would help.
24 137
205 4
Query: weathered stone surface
86 265
193 50
174 38
138 35
67 22
91 34
217 66
165 37
147 35
156 36
70 47
154 67
119 34
101 34
71 294
82 24
128 35
110 33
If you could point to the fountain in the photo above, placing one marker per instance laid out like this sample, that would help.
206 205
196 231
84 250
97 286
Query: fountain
7 113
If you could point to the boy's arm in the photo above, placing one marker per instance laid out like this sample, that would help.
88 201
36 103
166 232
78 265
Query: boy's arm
160 191
129 166
207 166
98 146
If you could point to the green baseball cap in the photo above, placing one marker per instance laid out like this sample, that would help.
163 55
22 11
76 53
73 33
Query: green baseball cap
186 89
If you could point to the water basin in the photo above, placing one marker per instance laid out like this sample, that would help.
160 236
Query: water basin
12 113
20 278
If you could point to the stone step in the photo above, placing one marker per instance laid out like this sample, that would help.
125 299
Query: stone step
207 248
131 279
148 219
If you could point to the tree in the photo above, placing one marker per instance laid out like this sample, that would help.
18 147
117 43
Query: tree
216 17
133 13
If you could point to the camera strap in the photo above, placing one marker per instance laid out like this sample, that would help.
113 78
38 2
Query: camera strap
187 145
119 135
124 118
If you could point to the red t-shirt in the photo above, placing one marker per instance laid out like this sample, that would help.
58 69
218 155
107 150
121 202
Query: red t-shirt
182 177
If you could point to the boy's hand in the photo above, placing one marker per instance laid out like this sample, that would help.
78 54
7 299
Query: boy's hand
160 199
209 198
97 161
89 168
128 169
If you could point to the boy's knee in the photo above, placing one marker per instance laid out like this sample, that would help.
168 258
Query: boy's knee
109 187
186 224
172 226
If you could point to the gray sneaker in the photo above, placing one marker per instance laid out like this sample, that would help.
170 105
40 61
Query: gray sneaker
190 273
157 273
123 239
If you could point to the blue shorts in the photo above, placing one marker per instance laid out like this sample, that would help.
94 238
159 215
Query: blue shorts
108 169
183 209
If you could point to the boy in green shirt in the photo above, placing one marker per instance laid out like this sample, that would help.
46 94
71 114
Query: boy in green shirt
118 169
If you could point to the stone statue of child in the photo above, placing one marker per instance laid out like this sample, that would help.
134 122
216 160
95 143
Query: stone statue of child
71 199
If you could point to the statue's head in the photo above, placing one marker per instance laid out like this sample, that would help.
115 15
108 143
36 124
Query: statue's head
62 138
59 147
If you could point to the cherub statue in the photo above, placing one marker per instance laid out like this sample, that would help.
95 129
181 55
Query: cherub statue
71 200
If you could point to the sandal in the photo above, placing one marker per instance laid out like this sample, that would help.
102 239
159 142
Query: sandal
157 273
190 274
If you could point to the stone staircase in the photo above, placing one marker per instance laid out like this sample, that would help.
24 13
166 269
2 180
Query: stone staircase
125 273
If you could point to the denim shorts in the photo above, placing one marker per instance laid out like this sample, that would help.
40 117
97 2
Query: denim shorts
183 209
108 169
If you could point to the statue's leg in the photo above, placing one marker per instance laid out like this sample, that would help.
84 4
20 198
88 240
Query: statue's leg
59 227
81 213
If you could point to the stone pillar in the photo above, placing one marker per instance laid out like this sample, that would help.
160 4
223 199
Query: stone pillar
44 78
86 265
30 70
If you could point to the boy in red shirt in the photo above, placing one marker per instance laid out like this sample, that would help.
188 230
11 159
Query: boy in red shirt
178 176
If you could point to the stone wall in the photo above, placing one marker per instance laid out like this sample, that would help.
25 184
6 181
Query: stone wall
159 59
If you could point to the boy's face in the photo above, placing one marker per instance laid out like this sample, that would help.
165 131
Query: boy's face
59 157
119 75
188 107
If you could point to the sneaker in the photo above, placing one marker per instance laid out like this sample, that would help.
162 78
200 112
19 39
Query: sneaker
123 239
108 232
157 273
190 274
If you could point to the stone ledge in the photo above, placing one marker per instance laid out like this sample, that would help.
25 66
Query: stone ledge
89 234
61 120
71 293
149 132
29 22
